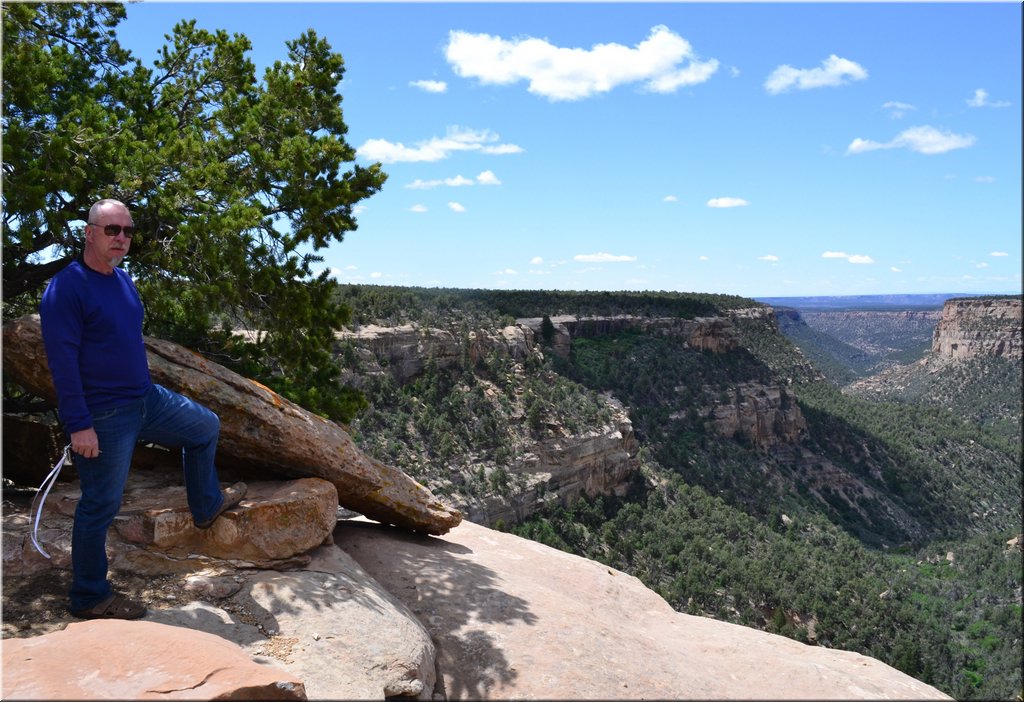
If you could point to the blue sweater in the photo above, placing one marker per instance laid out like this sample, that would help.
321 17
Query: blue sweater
92 330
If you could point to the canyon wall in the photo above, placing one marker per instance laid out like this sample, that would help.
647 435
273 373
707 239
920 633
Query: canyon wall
979 327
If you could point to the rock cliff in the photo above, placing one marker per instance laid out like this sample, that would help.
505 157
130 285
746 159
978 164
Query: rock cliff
700 333
762 416
979 327
599 462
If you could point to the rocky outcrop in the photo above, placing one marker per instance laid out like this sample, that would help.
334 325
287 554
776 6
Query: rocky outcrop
561 469
762 416
404 351
714 334
276 525
979 327
524 621
253 419
139 660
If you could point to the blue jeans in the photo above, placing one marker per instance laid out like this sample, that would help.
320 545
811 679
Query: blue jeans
162 417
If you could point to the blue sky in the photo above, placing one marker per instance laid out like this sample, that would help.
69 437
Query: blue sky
752 149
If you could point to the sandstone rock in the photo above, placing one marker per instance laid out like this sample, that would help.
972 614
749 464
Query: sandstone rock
985 327
600 462
329 624
406 349
259 428
275 521
513 619
138 660
514 341
763 416
715 334
278 522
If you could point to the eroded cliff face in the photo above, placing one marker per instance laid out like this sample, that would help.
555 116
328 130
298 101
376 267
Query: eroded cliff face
986 327
599 462
764 416
405 350
700 333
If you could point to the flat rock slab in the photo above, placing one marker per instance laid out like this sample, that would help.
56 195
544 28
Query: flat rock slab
514 619
329 624
277 522
138 660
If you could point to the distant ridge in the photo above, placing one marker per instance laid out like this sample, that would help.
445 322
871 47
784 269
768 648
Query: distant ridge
864 302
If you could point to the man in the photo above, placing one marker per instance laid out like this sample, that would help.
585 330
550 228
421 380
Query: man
92 328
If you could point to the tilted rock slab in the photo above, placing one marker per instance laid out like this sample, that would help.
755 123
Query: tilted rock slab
514 619
138 660
259 428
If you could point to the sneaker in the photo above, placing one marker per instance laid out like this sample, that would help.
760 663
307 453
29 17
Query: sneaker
232 496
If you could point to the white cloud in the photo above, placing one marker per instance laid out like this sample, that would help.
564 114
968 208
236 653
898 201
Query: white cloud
602 258
833 71
727 202
984 179
924 140
536 261
670 198
430 86
999 253
456 207
663 62
703 258
436 148
502 149
894 269
980 99
358 209
418 208
507 271
485 178
376 274
768 257
898 109
852 258
981 265
488 178
734 72
454 182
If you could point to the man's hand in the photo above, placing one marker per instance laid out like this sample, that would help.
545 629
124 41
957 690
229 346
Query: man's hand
85 443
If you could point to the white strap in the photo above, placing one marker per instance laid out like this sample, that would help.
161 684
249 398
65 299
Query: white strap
48 482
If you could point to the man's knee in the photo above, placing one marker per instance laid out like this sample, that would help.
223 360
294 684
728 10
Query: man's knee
207 426
97 511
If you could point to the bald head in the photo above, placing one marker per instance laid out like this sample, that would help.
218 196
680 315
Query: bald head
101 207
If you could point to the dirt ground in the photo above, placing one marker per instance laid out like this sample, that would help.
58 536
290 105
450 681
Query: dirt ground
37 604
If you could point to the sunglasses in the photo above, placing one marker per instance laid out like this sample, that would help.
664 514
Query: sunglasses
115 229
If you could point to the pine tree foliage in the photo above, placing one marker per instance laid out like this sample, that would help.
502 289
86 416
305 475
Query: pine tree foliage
235 183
